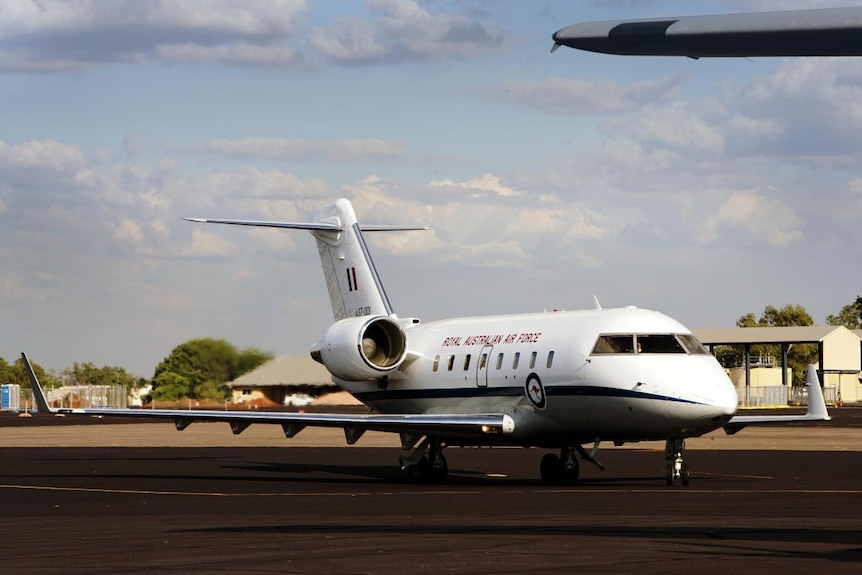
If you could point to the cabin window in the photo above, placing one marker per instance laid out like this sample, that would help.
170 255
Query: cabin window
516 359
550 359
499 360
436 363
450 363
467 361
614 344
533 359
692 344
483 361
660 343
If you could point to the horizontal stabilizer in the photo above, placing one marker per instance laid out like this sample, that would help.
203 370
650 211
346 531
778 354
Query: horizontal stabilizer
816 409
312 226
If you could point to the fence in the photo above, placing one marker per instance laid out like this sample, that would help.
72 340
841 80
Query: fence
779 396
88 396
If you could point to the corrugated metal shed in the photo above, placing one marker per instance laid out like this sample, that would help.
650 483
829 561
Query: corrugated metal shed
760 335
285 370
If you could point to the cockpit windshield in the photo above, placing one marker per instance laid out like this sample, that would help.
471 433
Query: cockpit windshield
648 343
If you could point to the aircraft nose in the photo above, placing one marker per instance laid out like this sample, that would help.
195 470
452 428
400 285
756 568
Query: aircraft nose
727 399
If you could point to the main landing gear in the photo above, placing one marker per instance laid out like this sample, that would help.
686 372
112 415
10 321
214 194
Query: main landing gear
564 468
677 468
426 463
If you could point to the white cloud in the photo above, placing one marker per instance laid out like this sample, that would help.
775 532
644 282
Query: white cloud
676 127
565 97
756 216
488 183
61 35
206 244
402 30
300 149
238 16
41 156
348 40
58 35
128 232
236 54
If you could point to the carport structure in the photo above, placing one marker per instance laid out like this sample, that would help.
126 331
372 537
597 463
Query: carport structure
839 350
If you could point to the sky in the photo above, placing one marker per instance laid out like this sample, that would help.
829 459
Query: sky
705 189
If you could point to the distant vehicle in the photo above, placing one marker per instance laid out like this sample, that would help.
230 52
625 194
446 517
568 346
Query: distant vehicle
557 380
820 32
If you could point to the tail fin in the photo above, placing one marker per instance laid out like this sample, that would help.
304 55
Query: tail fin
354 286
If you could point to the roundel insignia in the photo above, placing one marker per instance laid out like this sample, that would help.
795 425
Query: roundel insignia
535 391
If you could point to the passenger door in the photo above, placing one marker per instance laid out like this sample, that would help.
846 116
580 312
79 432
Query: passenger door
482 366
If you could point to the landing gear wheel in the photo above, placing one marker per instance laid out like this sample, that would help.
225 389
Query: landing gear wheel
416 472
570 469
439 470
550 469
677 468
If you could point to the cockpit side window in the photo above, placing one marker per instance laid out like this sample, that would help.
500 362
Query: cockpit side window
692 344
614 344
659 343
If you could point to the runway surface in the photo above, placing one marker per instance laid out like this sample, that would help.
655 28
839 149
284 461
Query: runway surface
346 510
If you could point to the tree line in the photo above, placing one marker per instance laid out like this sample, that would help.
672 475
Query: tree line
196 369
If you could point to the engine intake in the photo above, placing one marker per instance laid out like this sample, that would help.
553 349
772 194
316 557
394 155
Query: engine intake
362 348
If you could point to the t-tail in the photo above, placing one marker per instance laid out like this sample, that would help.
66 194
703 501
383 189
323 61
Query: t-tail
353 283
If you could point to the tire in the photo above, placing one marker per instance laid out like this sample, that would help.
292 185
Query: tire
550 469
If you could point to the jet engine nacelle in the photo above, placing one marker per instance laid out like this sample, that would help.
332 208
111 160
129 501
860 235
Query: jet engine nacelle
362 348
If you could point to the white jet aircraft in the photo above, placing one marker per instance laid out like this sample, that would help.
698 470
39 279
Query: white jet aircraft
557 380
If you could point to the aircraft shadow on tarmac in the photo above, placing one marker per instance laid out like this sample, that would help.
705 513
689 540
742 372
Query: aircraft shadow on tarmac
703 539
351 474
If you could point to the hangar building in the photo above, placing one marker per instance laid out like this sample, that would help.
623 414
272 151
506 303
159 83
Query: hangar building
839 352
281 379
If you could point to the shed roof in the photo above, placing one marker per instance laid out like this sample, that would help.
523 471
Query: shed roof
283 371
755 335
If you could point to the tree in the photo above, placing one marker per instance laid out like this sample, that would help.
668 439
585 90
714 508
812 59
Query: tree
169 386
198 368
850 315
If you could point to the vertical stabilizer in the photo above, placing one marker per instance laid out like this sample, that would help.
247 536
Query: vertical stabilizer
354 287
351 278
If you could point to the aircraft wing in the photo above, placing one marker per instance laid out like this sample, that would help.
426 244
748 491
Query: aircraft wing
354 425
818 32
816 409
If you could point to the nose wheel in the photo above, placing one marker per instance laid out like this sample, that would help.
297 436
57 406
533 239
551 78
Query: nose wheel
677 468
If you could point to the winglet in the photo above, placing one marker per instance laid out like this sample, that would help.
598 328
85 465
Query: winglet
816 409
816 402
38 394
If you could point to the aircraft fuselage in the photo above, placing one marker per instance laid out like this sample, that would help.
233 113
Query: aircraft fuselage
549 373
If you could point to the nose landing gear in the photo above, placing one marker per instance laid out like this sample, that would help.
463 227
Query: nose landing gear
677 468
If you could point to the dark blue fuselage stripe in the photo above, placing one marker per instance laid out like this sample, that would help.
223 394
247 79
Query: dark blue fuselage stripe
468 392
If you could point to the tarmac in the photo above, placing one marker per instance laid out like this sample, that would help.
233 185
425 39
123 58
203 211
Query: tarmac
136 498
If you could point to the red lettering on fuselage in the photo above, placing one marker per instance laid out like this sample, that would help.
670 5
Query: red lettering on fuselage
491 339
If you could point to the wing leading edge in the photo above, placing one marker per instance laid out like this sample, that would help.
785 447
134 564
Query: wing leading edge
354 425
816 409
